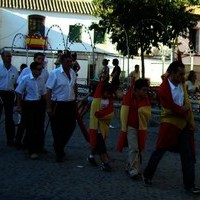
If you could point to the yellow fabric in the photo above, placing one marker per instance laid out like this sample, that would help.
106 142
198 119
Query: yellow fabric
144 114
102 123
95 106
168 116
124 117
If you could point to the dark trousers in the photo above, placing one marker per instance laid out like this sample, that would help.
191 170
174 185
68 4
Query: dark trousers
20 137
63 123
7 98
100 147
187 161
34 123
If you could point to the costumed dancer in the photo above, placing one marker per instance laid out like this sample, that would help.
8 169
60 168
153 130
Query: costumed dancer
101 114
135 114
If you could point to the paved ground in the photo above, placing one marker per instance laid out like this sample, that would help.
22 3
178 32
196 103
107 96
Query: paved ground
74 179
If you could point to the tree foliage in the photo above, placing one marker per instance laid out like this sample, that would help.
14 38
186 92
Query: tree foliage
146 22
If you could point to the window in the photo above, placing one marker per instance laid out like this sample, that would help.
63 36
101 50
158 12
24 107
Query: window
99 36
193 39
75 33
36 25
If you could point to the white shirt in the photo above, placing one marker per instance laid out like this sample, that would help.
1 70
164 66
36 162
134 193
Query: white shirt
191 87
31 88
177 93
44 75
104 103
62 88
8 77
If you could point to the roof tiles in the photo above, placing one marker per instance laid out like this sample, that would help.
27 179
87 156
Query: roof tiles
67 6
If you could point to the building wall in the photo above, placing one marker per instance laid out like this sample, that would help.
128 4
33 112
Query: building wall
15 21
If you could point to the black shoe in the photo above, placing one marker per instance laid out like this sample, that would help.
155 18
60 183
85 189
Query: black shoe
106 167
147 182
193 190
92 161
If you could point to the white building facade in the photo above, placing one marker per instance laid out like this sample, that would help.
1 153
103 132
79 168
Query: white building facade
58 18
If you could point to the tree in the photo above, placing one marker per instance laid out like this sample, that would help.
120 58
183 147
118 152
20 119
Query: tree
146 22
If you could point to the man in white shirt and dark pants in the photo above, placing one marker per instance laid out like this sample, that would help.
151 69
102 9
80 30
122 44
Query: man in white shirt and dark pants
61 104
21 141
8 78
31 96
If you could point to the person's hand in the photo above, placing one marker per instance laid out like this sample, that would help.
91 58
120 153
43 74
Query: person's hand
186 107
121 141
49 112
18 109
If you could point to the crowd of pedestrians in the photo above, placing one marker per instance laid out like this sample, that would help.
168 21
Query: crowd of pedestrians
37 92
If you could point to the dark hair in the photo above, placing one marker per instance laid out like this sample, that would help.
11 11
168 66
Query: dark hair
115 61
106 61
3 52
173 67
59 51
38 54
140 83
108 87
64 56
74 56
34 65
191 74
67 52
22 66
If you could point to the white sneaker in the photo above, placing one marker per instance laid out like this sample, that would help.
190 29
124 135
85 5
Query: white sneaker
133 172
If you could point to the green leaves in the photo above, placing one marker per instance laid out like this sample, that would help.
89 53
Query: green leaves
155 21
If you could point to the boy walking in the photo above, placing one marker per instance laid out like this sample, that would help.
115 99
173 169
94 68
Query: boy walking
135 114
101 114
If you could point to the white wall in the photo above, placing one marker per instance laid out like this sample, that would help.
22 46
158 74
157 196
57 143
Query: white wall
15 21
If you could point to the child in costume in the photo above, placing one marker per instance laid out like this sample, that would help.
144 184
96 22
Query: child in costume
101 114
135 114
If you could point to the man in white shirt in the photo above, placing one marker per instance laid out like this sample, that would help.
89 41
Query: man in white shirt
61 104
31 95
8 78
21 135
40 58
176 132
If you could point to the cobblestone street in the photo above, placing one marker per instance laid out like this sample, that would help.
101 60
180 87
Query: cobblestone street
75 179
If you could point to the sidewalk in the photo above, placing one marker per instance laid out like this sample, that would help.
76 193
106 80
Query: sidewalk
75 179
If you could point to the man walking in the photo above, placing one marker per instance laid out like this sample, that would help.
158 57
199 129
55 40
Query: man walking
61 104
176 129
8 78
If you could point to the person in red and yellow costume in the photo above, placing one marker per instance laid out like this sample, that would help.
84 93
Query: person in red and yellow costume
176 128
135 115
101 114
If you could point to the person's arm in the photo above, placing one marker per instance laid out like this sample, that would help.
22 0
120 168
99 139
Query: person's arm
19 103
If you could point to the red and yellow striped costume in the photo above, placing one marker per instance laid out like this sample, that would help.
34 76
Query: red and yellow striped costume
100 118
173 119
135 112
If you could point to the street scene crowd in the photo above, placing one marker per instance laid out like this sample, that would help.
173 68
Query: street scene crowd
39 96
